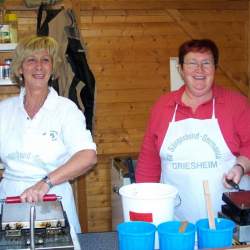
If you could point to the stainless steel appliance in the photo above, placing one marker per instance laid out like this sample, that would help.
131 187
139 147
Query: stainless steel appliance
40 225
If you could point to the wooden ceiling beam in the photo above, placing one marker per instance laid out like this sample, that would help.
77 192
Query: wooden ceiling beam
141 5
159 5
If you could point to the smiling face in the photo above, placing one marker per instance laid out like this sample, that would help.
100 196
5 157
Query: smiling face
198 72
36 70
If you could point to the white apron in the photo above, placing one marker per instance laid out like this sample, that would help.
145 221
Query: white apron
194 150
32 150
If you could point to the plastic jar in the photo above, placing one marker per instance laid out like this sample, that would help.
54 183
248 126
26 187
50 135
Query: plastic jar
11 20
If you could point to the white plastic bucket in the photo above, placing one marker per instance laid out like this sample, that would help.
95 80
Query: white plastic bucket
151 202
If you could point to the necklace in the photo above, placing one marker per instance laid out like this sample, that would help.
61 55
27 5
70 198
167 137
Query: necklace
32 108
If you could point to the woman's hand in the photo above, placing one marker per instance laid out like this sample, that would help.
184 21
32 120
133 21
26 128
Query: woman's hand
235 174
35 193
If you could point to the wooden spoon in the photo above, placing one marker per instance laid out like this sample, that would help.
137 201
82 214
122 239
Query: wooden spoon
208 205
183 226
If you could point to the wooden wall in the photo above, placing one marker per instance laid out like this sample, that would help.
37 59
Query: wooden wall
128 47
129 44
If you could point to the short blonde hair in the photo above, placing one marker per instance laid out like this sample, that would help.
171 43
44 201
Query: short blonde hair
26 47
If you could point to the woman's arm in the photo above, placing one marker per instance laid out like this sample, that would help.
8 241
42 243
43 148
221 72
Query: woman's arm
148 166
78 164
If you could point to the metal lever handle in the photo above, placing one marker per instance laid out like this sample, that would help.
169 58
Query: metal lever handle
32 226
17 199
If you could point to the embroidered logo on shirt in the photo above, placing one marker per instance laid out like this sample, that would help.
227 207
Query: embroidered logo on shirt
52 134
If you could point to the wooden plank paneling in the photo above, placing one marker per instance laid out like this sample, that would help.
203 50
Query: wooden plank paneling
212 16
174 4
134 42
122 108
7 91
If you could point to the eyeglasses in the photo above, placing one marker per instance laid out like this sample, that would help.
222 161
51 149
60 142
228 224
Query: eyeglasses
205 65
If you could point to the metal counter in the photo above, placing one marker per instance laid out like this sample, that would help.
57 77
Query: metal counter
98 241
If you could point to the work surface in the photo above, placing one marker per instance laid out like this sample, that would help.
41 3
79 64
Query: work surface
108 241
98 241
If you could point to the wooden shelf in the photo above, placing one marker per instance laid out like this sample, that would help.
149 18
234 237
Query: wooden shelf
10 89
5 47
6 82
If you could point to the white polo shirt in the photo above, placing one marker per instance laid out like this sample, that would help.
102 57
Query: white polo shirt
31 148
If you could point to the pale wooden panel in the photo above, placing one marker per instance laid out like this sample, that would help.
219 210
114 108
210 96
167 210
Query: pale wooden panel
225 80
110 82
153 4
99 188
27 14
129 29
4 96
127 121
235 66
220 28
120 147
100 225
99 200
103 213
98 175
114 96
215 15
125 147
166 42
225 39
129 55
99 219
234 52
5 55
122 135
9 90
139 69
121 16
131 108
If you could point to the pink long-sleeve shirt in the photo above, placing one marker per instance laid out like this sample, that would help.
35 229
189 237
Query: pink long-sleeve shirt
231 109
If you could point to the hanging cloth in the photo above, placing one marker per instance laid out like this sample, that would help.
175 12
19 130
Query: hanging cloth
35 3
76 80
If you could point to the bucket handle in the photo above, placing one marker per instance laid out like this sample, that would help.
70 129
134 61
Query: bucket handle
178 200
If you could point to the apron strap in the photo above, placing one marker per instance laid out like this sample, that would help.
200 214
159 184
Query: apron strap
173 119
213 112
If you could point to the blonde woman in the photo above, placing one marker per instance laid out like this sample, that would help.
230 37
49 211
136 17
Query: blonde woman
44 142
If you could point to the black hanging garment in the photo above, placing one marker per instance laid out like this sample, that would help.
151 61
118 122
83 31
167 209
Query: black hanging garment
76 80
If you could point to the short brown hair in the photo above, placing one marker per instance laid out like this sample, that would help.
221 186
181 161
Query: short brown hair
198 45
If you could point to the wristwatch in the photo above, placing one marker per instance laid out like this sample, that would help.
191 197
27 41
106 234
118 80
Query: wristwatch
47 180
242 168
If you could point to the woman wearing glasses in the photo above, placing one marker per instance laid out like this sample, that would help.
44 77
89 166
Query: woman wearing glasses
199 132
